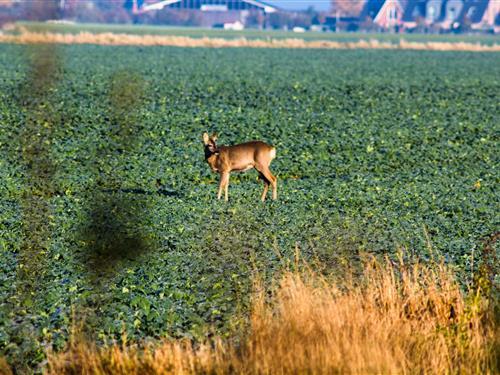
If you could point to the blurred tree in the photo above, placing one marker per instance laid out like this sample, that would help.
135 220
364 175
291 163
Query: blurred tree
255 19
41 10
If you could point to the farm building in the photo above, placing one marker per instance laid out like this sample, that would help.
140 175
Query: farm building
209 13
410 14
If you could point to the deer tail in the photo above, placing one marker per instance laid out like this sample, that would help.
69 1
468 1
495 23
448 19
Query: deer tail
273 153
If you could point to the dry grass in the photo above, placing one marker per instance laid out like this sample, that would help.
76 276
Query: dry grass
4 367
116 39
398 319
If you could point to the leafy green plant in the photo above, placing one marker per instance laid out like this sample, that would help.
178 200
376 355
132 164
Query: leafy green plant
372 147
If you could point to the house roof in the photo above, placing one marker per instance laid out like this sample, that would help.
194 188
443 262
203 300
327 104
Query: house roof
261 4
371 9
442 13
414 9
473 10
146 5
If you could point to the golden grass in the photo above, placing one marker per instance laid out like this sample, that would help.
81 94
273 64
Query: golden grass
117 39
398 319
4 367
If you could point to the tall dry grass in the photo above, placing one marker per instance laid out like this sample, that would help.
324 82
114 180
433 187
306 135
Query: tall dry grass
4 367
396 319
119 39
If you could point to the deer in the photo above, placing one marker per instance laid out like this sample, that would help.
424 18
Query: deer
240 158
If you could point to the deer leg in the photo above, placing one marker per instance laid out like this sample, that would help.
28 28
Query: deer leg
226 188
269 176
266 186
223 184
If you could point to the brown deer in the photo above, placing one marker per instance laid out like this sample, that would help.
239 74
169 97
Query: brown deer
240 158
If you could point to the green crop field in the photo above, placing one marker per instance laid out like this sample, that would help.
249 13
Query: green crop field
108 211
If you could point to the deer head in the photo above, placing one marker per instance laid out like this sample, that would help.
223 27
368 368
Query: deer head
210 144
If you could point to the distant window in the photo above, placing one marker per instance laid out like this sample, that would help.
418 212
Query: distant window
451 14
471 12
392 14
213 8
432 13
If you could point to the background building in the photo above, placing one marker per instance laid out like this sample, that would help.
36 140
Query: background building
207 13
345 15
421 15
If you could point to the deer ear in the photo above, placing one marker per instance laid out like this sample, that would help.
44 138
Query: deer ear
205 138
214 137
